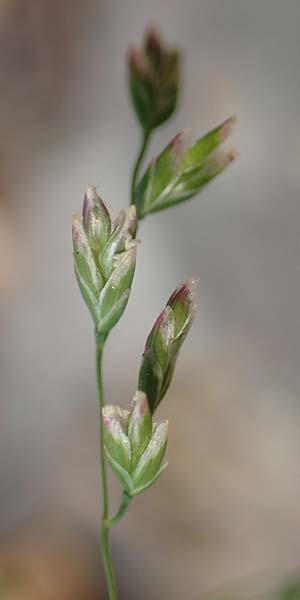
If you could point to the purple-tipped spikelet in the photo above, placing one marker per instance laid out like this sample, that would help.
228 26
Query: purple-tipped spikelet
164 342
183 303
96 219
153 81
104 258
178 173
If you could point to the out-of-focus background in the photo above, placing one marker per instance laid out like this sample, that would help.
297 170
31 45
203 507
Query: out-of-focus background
225 517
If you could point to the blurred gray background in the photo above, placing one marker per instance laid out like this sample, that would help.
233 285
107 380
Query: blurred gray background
226 512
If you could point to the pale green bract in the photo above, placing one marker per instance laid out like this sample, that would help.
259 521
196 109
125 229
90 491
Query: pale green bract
164 342
179 173
135 446
104 259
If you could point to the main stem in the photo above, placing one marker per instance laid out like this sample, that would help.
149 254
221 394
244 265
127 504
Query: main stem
139 160
105 524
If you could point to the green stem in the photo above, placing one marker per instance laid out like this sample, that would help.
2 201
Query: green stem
100 339
107 562
105 525
139 160
125 500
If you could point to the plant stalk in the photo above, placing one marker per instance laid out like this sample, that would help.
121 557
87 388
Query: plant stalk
125 500
139 160
107 562
105 524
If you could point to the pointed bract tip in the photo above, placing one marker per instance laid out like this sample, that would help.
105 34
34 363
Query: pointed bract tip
184 292
227 127
77 231
131 219
126 220
131 212
114 418
160 436
128 257
153 39
138 63
232 155
179 142
152 32
191 286
92 198
106 422
91 192
96 219
87 208
108 415
76 220
139 405
222 159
